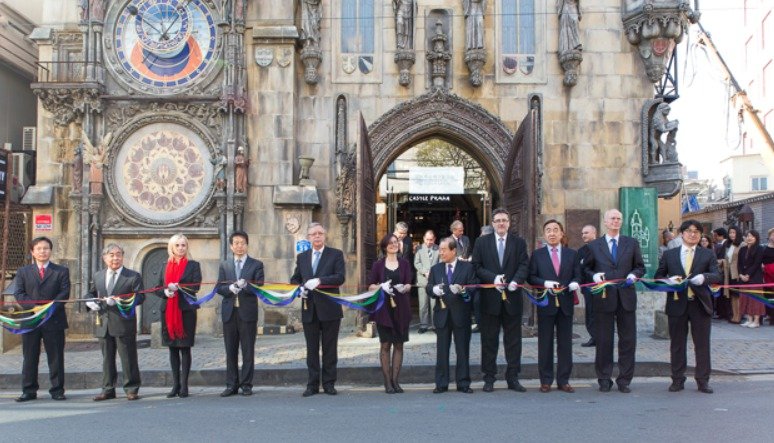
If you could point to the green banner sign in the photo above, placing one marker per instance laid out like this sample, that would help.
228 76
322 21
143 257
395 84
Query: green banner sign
639 207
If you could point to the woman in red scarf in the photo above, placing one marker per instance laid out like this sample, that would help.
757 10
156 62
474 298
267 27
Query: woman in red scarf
178 317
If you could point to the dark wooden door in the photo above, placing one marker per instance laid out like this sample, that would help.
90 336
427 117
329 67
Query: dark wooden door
152 266
366 205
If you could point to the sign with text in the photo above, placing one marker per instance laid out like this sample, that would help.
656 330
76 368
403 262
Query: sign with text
449 180
44 222
639 207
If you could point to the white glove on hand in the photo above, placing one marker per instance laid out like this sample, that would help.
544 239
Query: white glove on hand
438 290
110 301
387 287
574 286
303 292
241 283
402 288
599 277
169 293
173 287
312 284
94 306
550 284
698 280
675 280
500 280
631 277
455 288
234 288
512 286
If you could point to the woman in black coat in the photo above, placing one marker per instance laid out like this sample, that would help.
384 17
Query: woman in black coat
178 317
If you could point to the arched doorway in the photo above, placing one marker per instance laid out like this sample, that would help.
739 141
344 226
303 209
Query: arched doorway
152 266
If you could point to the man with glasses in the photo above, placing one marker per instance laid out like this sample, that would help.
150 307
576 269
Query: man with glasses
501 259
692 305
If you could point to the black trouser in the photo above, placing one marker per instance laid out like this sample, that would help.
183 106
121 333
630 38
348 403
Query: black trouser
236 333
563 325
588 299
461 334
490 342
626 321
701 324
127 350
54 343
326 332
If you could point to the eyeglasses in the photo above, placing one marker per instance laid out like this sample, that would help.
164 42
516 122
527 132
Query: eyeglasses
500 220
691 231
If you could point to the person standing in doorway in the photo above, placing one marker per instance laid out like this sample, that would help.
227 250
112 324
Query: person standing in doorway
588 234
425 258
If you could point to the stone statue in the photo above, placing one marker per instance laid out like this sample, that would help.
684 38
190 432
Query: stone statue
77 171
404 23
660 150
83 6
569 18
219 165
97 10
96 161
311 14
240 171
474 23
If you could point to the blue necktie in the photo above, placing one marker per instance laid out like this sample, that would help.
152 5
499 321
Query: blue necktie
449 274
315 262
614 250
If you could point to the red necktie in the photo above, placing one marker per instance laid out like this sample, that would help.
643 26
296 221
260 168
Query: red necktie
42 270
555 260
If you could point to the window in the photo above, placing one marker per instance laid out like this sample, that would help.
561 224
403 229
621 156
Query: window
357 26
357 44
520 41
760 183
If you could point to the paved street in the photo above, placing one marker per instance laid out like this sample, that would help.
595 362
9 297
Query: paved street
739 409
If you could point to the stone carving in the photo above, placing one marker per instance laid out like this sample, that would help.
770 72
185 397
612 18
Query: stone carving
77 169
68 104
660 165
113 221
206 221
475 54
656 28
264 57
207 114
404 39
241 163
311 58
96 161
570 47
219 171
97 10
439 57
235 9
83 10
661 151
284 57
311 55
293 223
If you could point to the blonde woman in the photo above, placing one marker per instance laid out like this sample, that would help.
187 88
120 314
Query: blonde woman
178 317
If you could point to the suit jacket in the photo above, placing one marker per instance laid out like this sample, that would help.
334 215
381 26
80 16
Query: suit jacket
464 274
331 270
705 263
192 276
408 250
55 285
252 271
401 314
463 250
515 268
629 261
113 323
749 263
423 262
541 269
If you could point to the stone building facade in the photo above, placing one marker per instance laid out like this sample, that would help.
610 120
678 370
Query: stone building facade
144 107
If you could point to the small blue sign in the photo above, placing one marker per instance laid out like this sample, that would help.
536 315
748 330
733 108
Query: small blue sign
303 245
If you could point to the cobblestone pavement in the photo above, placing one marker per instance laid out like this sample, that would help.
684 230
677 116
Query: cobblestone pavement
734 349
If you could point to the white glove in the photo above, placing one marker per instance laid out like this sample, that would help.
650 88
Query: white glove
169 293
303 292
455 288
402 288
500 280
512 286
312 284
94 306
550 284
110 301
234 288
387 287
599 277
173 287
675 280
241 283
631 277
438 290
574 286
698 279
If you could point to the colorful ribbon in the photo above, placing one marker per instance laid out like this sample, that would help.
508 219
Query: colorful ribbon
26 324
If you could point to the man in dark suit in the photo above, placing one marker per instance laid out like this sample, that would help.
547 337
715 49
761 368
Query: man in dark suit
694 305
451 315
615 257
501 259
239 312
462 240
406 250
43 281
588 234
115 332
324 267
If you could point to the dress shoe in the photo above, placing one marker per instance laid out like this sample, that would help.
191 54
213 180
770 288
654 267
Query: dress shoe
131 397
228 392
605 385
439 390
566 388
388 389
545 388
624 389
330 390
174 392
396 386
421 330
183 392
59 397
516 386
105 396
677 386
465 390
247 391
703 387
589 344
26 397
488 386
310 391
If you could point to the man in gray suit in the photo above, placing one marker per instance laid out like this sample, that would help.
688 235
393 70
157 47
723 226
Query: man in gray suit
424 259
116 331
